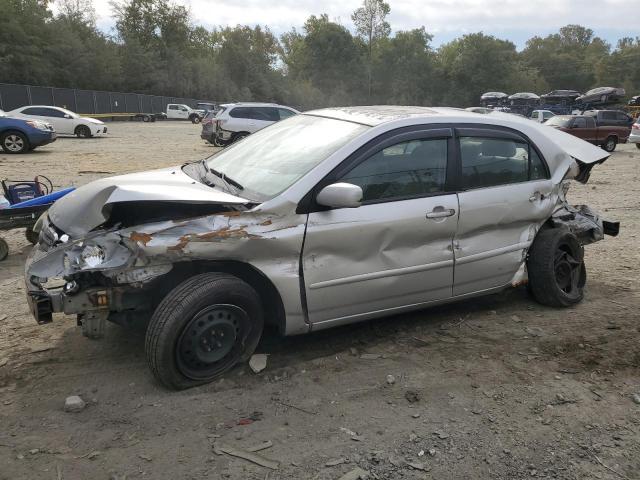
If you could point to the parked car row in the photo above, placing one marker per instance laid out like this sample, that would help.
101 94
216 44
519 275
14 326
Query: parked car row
29 127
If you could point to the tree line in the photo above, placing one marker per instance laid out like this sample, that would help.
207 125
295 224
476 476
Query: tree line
157 49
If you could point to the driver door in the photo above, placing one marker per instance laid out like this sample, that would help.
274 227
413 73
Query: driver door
393 252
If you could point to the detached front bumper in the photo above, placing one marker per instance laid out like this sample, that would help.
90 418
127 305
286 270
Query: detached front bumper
43 302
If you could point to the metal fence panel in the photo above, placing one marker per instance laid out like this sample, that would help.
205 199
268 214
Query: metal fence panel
103 102
85 101
65 98
13 96
132 102
41 96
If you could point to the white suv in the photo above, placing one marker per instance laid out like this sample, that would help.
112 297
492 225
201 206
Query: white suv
235 121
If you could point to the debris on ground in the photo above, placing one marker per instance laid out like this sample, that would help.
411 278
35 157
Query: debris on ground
636 398
262 446
74 404
258 362
391 379
355 474
249 456
370 356
417 466
412 396
335 462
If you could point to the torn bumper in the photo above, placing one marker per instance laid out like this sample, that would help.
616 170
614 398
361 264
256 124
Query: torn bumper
585 223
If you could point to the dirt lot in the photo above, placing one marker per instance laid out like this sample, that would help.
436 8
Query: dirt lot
499 387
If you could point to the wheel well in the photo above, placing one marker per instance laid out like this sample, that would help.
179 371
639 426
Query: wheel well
13 130
78 127
274 314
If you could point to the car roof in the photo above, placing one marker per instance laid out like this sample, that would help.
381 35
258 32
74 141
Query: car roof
254 104
379 114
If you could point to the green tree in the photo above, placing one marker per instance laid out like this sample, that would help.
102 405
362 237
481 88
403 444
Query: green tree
371 25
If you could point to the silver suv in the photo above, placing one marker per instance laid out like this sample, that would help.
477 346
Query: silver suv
234 121
327 218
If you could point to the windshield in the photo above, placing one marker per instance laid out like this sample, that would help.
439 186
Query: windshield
558 121
271 160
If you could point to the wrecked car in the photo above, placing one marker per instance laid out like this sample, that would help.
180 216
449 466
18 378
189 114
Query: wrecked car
326 218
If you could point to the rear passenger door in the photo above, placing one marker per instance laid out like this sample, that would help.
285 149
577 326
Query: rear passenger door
505 195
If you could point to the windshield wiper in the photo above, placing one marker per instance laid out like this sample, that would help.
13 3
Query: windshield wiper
228 181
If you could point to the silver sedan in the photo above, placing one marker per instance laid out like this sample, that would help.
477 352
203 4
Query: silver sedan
329 217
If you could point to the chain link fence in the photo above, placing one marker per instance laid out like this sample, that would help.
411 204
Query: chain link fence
85 101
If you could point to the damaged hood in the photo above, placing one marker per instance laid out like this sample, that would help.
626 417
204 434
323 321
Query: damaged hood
88 206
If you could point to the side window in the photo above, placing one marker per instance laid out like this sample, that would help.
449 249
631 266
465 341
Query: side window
579 122
50 112
547 115
537 168
242 112
268 114
488 162
173 107
41 112
285 113
608 115
408 169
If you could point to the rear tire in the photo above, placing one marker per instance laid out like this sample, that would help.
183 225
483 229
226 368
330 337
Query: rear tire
610 144
202 328
82 131
14 142
557 274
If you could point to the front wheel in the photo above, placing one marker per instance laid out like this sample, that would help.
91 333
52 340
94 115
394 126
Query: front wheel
610 144
557 274
196 119
82 131
202 328
14 142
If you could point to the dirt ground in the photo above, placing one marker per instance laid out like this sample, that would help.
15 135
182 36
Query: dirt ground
498 387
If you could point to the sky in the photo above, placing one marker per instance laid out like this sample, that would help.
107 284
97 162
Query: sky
515 20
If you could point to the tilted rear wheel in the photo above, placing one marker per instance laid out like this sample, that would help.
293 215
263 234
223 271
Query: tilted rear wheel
557 274
202 328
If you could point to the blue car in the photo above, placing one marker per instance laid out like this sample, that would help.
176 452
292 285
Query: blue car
20 136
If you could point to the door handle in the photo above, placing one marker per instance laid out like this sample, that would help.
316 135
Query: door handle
440 212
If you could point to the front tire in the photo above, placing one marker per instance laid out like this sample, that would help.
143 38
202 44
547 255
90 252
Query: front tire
202 328
15 142
195 119
610 144
557 274
82 131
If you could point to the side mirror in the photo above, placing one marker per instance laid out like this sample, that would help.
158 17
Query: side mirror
340 195
66 115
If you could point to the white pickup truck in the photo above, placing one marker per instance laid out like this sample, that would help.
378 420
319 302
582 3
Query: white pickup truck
179 111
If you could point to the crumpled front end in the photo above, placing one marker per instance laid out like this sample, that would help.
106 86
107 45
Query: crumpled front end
122 274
